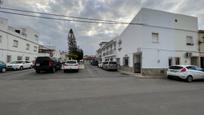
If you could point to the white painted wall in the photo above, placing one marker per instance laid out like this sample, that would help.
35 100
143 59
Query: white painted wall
6 45
172 38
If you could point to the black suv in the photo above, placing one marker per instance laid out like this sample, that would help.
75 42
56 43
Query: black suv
47 64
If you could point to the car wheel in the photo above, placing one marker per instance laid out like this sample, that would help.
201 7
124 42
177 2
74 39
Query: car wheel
3 70
65 71
189 78
168 77
53 70
21 68
37 71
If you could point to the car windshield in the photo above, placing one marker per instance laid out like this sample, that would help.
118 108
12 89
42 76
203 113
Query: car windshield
2 62
16 62
112 63
175 67
71 62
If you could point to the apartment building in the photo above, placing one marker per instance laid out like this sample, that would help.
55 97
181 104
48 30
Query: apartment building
48 50
155 40
201 47
17 43
107 51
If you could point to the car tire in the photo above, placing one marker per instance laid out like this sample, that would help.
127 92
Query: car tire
3 70
168 77
21 68
53 70
37 71
189 78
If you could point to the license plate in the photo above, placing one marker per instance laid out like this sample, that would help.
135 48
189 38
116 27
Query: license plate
37 64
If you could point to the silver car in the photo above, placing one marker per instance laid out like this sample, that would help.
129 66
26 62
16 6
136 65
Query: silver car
186 72
110 65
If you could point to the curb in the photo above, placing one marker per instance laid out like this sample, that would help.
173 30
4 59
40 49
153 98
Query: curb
139 76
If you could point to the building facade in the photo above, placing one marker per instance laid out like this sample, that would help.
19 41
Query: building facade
107 51
201 47
17 43
158 40
48 50
155 40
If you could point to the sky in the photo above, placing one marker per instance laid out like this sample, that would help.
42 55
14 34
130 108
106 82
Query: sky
88 35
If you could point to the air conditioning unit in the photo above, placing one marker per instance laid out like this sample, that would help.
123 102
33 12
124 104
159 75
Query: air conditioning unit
188 54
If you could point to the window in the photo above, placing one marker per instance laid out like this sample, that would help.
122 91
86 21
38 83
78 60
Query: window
27 58
155 37
170 61
18 31
27 46
15 43
8 58
35 48
126 61
189 41
19 58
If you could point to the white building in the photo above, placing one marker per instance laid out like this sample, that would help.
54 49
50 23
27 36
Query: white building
107 51
17 43
201 47
49 50
156 40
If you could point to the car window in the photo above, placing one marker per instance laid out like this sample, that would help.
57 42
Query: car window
2 62
71 62
112 63
41 59
175 67
191 68
105 62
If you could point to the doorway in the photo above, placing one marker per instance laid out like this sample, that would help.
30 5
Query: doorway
194 61
202 62
137 62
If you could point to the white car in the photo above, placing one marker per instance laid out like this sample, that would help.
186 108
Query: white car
100 65
19 65
71 65
186 72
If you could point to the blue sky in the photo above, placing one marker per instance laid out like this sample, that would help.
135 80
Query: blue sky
90 35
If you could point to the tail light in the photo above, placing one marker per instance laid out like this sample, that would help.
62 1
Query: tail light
183 70
50 63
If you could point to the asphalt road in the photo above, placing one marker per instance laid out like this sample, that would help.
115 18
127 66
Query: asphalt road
93 91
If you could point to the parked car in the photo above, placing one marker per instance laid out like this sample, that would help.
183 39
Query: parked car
110 65
2 67
71 65
94 63
185 72
100 65
19 65
47 64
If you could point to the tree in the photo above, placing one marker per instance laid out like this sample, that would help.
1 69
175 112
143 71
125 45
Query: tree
72 45
74 52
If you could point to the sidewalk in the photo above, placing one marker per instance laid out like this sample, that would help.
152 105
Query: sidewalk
140 76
